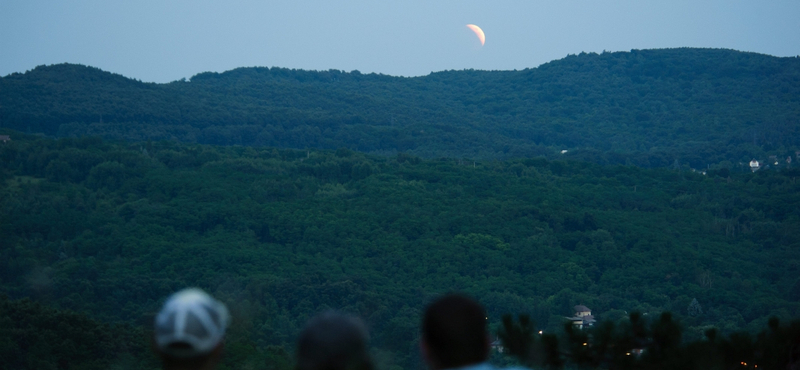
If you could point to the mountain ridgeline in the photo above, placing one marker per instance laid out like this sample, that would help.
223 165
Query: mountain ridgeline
650 108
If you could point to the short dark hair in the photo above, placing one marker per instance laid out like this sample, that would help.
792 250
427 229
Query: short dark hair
454 330
169 362
334 341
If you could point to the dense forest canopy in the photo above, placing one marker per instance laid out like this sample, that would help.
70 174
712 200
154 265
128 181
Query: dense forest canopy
618 181
109 229
705 108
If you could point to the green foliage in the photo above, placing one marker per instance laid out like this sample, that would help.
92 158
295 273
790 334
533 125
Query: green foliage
517 339
694 308
38 337
280 235
706 108
637 344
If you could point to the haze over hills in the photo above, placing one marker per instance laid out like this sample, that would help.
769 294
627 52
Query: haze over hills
701 107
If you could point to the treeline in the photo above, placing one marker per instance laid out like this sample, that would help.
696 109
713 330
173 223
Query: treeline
35 336
40 337
638 343
650 108
111 228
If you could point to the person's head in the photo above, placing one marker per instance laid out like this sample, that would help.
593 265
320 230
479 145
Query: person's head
334 341
189 330
454 332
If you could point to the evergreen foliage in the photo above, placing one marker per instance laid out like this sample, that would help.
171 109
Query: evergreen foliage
694 308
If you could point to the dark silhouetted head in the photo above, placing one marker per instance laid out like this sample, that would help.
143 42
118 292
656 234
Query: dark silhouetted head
334 341
454 332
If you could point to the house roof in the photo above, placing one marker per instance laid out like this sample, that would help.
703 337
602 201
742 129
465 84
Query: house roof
582 308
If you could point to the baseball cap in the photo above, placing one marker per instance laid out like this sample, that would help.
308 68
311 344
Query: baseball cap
191 323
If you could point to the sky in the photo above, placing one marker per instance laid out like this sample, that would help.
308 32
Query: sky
165 40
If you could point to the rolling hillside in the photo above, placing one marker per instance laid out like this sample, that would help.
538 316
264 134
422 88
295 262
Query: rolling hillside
651 108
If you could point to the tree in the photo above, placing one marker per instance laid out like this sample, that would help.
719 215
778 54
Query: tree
694 308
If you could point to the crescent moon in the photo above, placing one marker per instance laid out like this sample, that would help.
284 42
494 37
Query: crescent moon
479 32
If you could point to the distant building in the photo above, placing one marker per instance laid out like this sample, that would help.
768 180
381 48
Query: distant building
698 171
5 138
636 352
498 346
583 317
564 151
754 165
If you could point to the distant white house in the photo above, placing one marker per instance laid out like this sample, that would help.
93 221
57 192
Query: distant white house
754 165
583 317
564 151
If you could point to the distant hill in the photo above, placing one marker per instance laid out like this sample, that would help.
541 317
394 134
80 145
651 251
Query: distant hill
651 108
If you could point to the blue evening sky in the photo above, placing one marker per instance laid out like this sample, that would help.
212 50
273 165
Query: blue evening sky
165 40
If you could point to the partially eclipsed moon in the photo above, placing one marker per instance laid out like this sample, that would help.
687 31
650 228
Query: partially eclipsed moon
479 32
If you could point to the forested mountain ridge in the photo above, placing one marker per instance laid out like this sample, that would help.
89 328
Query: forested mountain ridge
111 229
650 108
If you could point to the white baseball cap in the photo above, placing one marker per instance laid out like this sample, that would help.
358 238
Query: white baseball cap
190 324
